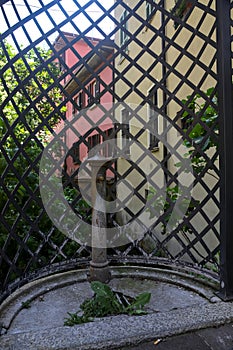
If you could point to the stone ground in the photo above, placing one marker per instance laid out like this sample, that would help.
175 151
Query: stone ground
177 314
220 338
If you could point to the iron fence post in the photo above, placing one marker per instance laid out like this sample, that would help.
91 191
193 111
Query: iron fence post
225 102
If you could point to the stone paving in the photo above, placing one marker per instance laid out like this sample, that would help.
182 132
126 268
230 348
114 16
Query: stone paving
213 338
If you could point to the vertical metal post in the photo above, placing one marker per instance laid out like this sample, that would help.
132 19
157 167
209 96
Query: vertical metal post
225 101
99 269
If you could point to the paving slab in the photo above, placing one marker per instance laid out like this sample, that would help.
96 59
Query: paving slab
214 338
182 342
220 338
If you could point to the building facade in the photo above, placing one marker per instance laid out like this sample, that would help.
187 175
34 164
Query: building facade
164 63
88 87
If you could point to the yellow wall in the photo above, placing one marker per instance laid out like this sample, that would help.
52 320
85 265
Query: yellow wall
183 47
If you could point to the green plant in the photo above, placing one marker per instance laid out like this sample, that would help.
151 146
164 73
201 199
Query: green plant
200 123
201 130
179 9
78 204
106 303
31 106
163 207
26 304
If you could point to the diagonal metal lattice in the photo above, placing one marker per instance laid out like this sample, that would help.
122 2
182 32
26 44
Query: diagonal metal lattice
141 81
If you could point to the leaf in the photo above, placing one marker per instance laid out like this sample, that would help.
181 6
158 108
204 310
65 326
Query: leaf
26 304
140 301
196 131
101 289
74 319
178 164
209 91
138 312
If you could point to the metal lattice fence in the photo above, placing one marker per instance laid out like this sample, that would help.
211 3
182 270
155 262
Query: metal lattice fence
133 86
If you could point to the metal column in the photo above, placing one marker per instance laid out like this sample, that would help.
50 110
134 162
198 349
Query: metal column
225 99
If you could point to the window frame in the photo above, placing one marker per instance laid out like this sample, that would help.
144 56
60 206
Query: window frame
153 117
93 92
149 9
125 130
89 95
124 37
75 153
80 100
97 90
74 106
93 141
108 134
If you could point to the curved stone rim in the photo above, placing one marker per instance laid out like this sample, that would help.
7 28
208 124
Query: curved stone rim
185 278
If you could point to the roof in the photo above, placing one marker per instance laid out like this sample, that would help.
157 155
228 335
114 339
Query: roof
59 42
92 60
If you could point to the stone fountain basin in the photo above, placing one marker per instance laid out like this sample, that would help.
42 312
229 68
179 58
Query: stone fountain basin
179 302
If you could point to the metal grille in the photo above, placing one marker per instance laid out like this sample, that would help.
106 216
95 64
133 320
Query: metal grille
148 72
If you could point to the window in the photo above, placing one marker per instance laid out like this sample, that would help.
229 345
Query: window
93 141
93 92
109 147
97 91
125 130
123 31
90 94
149 9
74 152
78 102
62 60
74 106
153 118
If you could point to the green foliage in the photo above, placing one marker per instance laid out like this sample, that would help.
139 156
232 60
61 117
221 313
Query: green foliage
179 9
163 206
105 303
26 304
29 96
200 120
74 319
136 307
78 204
